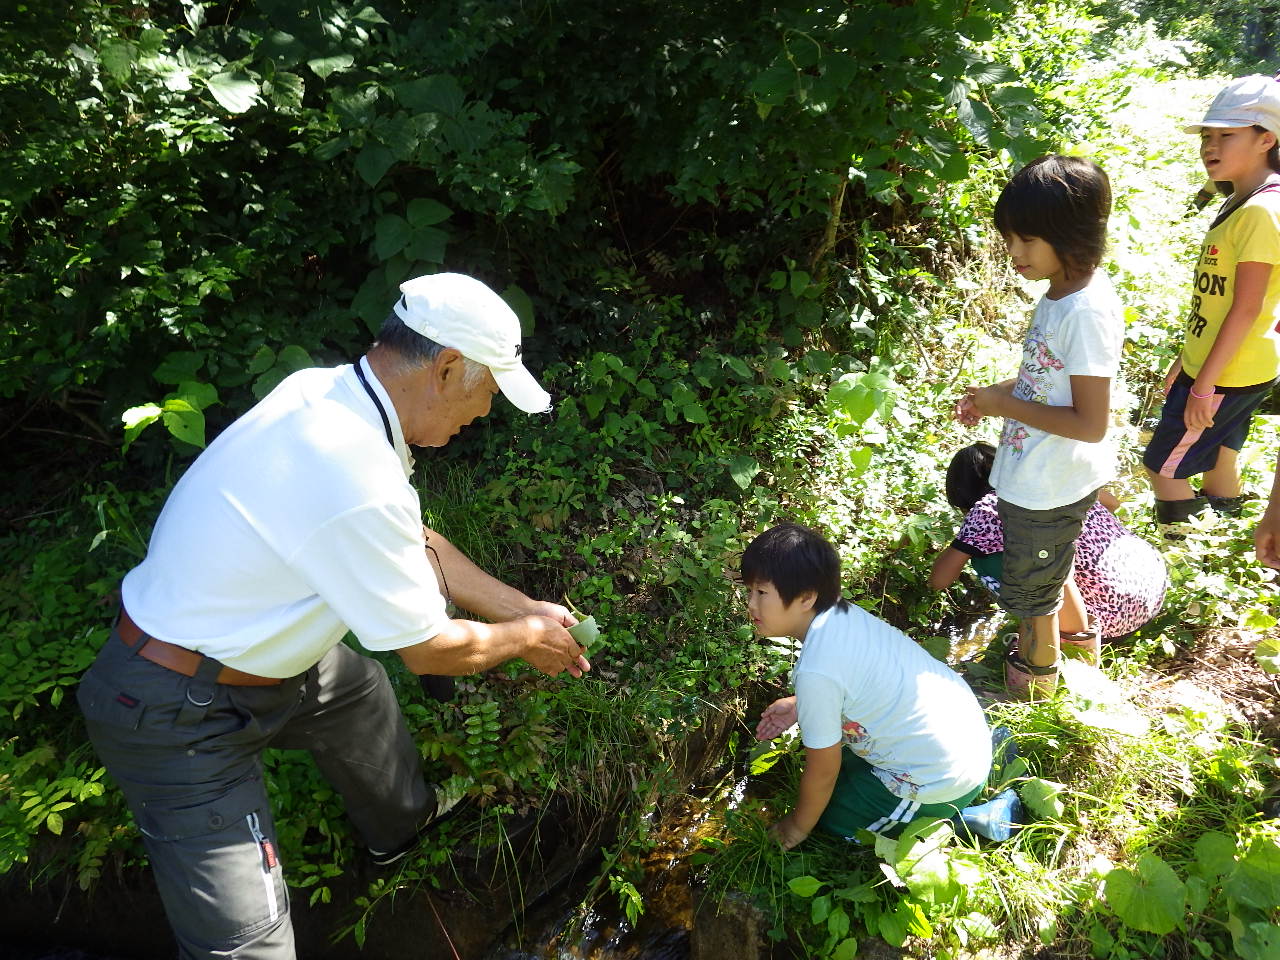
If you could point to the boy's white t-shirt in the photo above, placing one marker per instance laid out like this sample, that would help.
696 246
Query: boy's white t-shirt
1080 335
864 684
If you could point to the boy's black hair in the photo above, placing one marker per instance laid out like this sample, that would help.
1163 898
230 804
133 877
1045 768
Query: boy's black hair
969 475
1273 155
1064 201
795 560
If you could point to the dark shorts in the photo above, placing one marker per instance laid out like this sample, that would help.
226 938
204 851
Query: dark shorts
861 801
1177 453
1039 550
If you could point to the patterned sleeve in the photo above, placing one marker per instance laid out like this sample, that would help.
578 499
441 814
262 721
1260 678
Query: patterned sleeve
981 533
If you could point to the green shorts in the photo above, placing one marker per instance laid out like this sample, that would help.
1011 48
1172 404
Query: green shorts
861 802
1039 550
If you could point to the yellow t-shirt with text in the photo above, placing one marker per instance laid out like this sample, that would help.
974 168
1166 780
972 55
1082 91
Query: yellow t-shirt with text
1249 235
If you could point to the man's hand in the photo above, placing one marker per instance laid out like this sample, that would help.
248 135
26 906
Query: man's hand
777 717
552 611
787 833
549 647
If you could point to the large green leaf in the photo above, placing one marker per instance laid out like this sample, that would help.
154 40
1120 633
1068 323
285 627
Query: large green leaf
743 469
391 235
1267 653
1149 898
805 886
234 89
137 419
427 244
373 161
1215 854
439 93
322 67
199 395
1043 798
1256 877
179 366
521 305
118 58
425 212
184 421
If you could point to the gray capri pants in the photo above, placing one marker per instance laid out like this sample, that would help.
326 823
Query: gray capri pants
186 752
1039 551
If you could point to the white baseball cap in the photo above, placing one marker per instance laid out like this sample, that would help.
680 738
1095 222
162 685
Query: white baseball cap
1244 102
461 312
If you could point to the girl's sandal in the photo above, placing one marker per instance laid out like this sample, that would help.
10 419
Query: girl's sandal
1087 645
1026 681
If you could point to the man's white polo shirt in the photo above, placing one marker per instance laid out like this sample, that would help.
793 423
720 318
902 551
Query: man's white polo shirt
297 523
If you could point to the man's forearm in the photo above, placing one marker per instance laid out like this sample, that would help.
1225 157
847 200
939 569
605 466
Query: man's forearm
469 586
466 647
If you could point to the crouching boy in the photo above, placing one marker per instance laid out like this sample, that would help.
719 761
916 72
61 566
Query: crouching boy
890 734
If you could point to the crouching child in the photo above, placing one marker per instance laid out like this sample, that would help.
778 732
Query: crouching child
890 733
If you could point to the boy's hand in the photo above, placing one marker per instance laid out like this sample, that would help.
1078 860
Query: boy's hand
777 717
787 833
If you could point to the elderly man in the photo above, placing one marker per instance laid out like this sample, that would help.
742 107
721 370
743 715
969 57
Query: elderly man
298 524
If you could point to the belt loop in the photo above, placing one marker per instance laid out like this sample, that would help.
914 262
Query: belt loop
115 630
200 692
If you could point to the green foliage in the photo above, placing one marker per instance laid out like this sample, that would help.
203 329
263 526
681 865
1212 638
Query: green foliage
757 271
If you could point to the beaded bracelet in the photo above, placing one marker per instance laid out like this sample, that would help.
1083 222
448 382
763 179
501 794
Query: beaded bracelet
1200 396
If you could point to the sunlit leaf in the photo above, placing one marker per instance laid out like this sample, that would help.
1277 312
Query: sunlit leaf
234 89
805 886
322 67
1150 897
743 469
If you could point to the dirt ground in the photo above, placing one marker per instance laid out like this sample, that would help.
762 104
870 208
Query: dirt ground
1222 663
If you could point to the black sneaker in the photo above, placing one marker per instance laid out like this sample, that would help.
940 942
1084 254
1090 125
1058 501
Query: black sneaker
445 807
1229 506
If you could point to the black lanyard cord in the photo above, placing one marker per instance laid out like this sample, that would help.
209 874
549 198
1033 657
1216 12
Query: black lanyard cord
386 424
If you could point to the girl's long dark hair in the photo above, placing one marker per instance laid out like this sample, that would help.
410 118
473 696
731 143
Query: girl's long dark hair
969 475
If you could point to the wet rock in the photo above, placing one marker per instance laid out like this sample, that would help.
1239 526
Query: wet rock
733 927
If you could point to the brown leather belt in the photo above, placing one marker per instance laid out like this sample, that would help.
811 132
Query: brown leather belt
180 659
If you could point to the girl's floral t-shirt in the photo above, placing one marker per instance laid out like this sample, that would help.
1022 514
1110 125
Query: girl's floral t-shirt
1080 335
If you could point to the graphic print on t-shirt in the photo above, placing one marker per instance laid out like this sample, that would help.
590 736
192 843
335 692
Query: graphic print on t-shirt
1033 384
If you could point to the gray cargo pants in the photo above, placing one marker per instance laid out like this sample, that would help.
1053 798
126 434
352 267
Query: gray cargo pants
186 753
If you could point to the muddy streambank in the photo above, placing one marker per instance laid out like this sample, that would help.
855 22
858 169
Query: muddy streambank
500 903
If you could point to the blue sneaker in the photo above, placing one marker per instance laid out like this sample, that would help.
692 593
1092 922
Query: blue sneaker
998 819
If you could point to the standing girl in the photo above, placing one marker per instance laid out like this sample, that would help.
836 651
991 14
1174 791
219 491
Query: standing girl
1051 460
1231 355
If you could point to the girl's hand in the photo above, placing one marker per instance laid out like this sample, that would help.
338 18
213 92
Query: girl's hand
1172 375
787 833
777 717
985 400
1199 413
966 412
